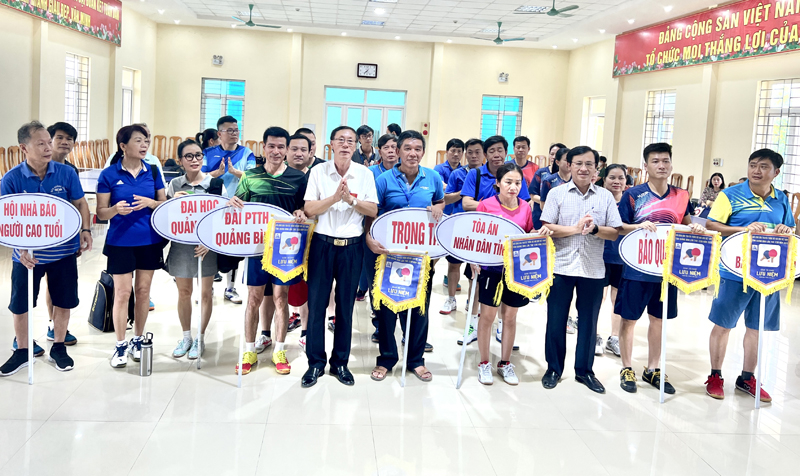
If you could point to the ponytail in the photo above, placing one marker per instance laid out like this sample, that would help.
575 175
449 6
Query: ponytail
117 156
203 138
123 137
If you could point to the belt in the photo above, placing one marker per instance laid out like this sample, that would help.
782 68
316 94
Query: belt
339 241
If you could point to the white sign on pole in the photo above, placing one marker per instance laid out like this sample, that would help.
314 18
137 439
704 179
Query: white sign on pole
238 232
407 229
177 218
475 237
731 254
643 250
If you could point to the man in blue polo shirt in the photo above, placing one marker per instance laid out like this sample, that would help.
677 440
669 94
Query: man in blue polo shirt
454 152
39 174
754 206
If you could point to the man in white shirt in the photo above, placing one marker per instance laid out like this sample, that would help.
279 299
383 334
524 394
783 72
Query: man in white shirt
340 194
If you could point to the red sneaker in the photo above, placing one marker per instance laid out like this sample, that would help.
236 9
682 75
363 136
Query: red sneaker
714 387
749 387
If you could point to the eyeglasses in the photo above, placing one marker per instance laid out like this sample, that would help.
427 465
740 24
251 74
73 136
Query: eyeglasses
342 140
588 165
193 157
233 132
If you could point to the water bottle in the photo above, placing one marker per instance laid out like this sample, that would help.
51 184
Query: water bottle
146 362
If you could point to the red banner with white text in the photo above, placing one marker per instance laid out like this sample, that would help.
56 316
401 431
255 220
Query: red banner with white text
744 29
101 19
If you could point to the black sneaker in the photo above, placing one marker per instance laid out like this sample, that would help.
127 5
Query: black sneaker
654 379
428 347
17 362
58 355
294 322
627 380
217 278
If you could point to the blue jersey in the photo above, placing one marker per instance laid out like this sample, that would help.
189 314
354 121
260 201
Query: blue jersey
535 189
445 171
241 159
377 170
455 184
395 192
611 250
550 182
487 185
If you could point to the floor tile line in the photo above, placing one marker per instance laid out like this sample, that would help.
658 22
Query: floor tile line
11 458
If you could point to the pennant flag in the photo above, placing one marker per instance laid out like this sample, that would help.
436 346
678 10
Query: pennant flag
529 261
286 249
401 281
691 261
768 262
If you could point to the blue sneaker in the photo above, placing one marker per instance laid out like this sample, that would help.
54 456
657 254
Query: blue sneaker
152 305
37 351
69 340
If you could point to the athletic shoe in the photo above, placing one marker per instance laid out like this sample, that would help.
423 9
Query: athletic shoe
217 278
749 387
572 325
119 358
654 379
466 308
17 362
281 364
262 342
197 350
472 336
294 322
331 323
627 380
249 359
428 347
612 344
68 340
37 350
485 373
449 306
232 296
182 348
302 343
152 305
58 355
444 283
458 288
135 349
714 387
507 372
375 338
598 346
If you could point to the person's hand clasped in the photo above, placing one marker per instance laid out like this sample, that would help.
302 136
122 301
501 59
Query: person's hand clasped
544 231
697 228
140 203
122 208
586 224
299 216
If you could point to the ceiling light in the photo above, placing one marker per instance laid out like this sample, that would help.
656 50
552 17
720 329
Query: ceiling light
177 22
344 33
382 1
233 25
555 47
668 8
380 11
289 30
396 37
372 23
449 41
160 11
532 9
574 40
601 31
630 22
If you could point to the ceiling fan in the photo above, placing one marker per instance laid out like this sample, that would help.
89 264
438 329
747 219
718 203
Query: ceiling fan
553 12
249 22
498 40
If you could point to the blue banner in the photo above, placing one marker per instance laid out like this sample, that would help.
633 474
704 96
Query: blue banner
286 255
401 281
529 262
768 262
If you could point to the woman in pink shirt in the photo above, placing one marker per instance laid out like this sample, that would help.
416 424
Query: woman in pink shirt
491 289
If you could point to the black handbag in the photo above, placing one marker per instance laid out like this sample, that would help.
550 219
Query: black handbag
101 315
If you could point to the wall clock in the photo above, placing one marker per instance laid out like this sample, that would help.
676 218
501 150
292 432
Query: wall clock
367 70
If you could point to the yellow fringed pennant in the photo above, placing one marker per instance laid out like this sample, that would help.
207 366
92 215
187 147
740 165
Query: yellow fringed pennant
774 286
269 249
687 285
516 275
391 294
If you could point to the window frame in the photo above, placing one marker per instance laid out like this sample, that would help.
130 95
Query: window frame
224 98
655 115
589 121
500 115
76 93
365 107
772 108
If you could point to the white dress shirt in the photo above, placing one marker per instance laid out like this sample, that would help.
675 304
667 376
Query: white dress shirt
341 220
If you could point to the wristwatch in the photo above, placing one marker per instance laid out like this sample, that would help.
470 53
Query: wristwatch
85 229
595 229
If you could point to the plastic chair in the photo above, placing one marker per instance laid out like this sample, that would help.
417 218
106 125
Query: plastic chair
3 168
106 150
159 148
172 149
636 174
690 185
676 180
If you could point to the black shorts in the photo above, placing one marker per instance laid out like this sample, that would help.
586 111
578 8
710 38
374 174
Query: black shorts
62 279
634 297
127 259
492 291
453 260
613 275
226 263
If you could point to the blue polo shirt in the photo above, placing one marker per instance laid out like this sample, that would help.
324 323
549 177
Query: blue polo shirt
61 181
455 184
377 170
395 192
550 182
134 228
535 189
487 185
242 159
739 206
445 171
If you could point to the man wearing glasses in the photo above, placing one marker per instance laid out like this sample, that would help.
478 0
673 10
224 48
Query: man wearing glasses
340 193
228 160
365 154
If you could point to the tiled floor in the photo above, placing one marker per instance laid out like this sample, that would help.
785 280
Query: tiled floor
98 420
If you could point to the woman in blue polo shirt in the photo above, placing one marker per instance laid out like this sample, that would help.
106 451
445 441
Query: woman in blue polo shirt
406 185
127 193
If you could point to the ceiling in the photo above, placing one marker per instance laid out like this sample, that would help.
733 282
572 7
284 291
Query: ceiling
455 21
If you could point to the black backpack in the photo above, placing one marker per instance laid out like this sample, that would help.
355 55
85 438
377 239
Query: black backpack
101 315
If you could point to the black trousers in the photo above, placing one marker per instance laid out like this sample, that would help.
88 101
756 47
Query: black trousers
416 335
327 262
590 296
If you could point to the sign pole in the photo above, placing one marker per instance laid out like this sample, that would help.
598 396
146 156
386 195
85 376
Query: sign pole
762 309
466 329
405 350
200 312
241 338
31 358
664 319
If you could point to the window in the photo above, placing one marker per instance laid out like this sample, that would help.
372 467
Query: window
659 121
594 116
221 97
778 128
355 107
127 96
76 95
501 115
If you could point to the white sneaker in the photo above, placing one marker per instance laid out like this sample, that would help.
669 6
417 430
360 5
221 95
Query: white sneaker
485 373
572 325
449 306
598 346
508 374
612 344
135 349
232 296
197 350
498 334
120 356
182 348
472 336
302 343
262 342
